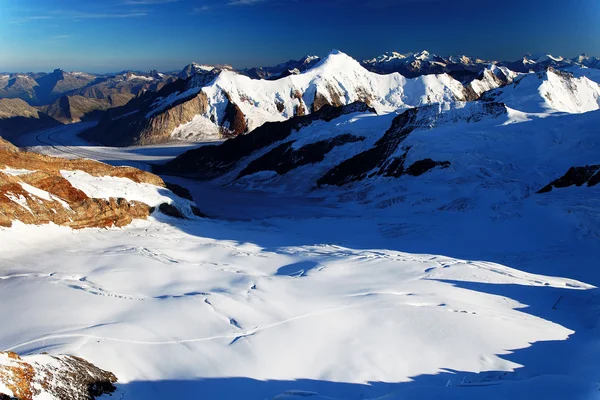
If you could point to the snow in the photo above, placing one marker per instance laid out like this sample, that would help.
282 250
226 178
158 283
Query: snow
259 99
255 309
489 80
134 77
105 187
20 200
63 141
42 194
199 129
550 91
162 103
15 172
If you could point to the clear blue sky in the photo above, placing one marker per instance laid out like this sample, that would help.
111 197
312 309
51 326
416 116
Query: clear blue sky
112 35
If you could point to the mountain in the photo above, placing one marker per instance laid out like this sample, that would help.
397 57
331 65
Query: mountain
74 96
459 156
89 102
195 68
550 90
587 61
423 63
17 117
292 67
18 86
229 104
52 85
280 148
492 77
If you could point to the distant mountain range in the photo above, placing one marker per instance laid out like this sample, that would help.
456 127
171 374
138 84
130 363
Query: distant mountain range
222 103
161 109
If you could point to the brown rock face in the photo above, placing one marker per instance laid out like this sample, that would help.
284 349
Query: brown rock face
76 108
16 117
234 121
300 109
158 128
56 377
208 162
43 195
323 100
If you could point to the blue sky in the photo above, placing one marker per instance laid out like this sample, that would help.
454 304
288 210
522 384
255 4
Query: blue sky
112 35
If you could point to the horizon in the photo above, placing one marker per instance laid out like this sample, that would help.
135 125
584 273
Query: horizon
174 70
166 35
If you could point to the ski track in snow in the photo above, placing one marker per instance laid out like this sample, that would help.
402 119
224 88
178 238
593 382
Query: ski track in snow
242 333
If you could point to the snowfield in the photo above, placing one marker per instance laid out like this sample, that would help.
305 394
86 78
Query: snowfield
282 297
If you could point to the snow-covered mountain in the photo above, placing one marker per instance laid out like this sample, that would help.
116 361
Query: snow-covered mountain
292 67
195 68
423 63
232 103
550 90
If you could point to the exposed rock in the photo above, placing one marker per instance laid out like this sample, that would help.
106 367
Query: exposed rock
380 159
359 166
281 70
53 377
171 211
331 98
285 158
210 161
158 128
70 109
136 123
44 195
578 176
61 203
17 117
234 121
179 191
300 109
418 168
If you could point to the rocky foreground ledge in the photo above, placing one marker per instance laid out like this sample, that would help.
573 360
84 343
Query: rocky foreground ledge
34 189
52 377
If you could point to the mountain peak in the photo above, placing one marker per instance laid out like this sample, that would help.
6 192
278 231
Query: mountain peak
337 59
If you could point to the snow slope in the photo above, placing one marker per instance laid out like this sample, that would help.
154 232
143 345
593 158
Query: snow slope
459 283
258 309
338 77
550 91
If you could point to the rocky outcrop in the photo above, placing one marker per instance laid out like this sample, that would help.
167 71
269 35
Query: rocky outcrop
576 176
285 158
77 108
234 121
211 161
418 168
331 98
139 123
53 199
17 117
33 191
52 377
158 127
387 158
